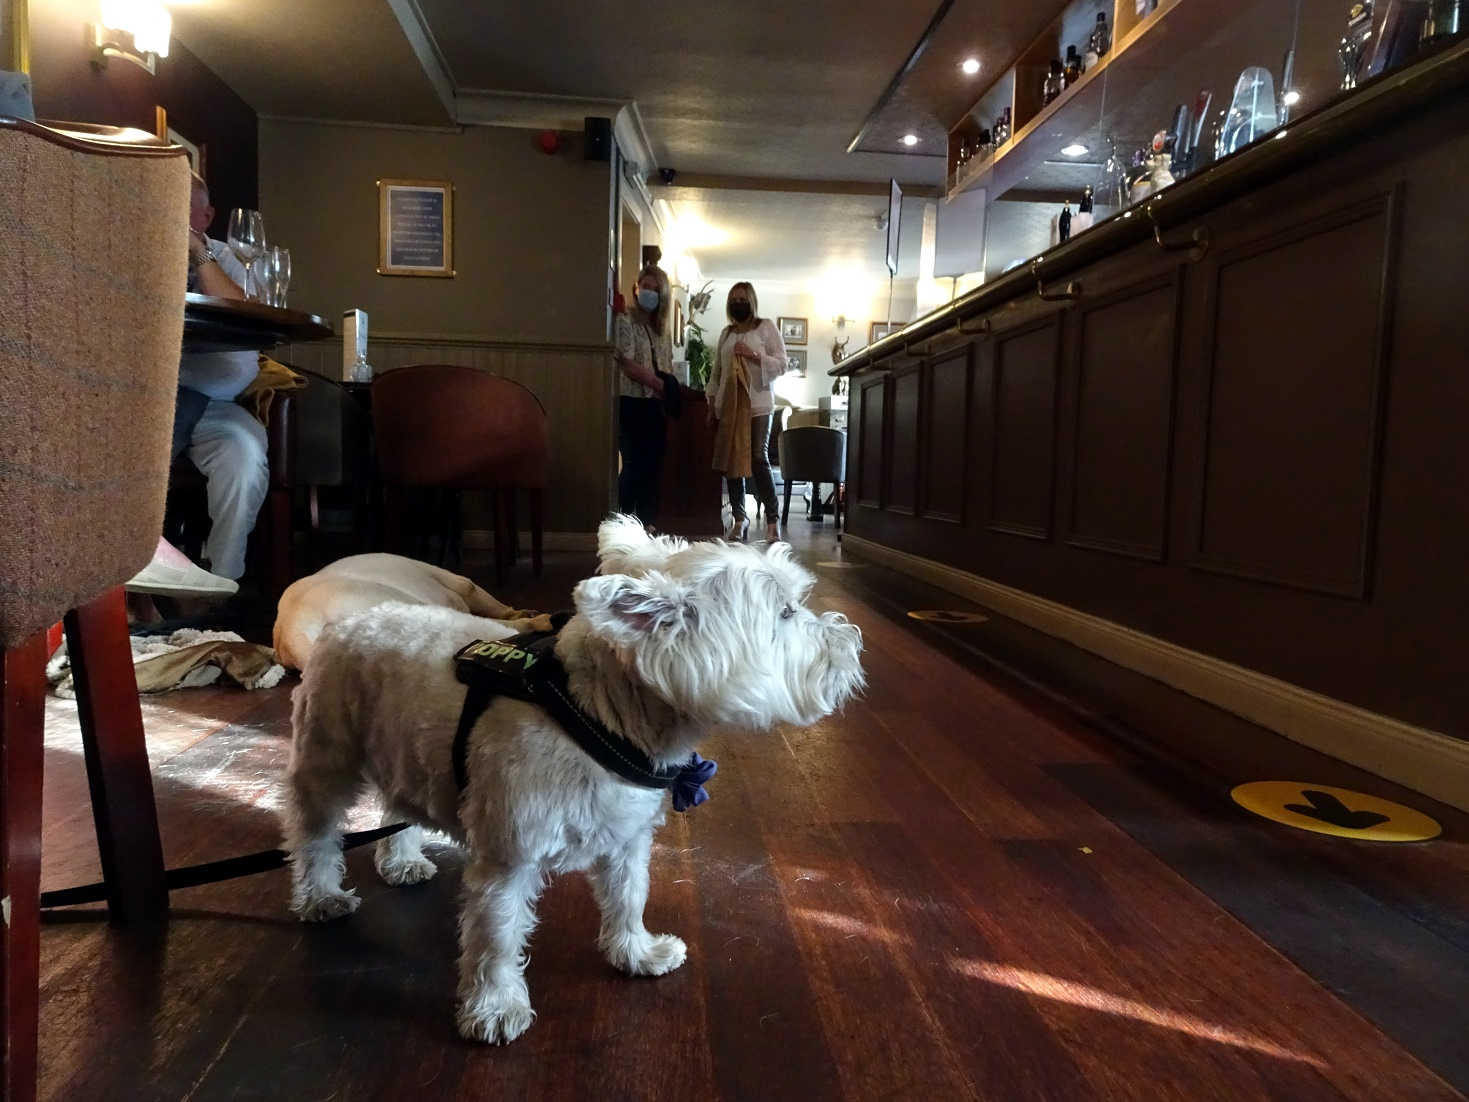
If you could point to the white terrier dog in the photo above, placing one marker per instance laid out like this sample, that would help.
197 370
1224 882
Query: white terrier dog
670 640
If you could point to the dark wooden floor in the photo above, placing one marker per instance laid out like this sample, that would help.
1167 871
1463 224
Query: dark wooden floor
957 890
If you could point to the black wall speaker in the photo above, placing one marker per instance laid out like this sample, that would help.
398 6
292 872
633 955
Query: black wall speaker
598 134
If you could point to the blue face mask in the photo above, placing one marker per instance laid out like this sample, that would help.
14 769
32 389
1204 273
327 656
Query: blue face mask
648 300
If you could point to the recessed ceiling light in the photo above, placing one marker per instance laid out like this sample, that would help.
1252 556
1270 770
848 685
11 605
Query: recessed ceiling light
1292 98
1074 150
970 66
910 139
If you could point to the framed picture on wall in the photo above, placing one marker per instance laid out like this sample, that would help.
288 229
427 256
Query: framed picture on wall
796 359
793 330
879 329
415 228
678 333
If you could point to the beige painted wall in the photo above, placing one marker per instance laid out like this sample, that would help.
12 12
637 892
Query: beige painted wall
530 230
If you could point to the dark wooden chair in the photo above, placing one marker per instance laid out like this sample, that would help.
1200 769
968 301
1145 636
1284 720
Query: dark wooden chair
814 454
441 427
88 365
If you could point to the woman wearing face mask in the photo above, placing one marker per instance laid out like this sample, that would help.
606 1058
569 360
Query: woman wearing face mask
749 358
644 347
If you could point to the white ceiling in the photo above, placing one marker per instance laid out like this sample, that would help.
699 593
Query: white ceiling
322 59
761 88
775 236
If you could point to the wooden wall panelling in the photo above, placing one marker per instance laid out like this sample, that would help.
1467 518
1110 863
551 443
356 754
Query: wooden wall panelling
1023 473
872 440
1123 380
944 436
1290 466
903 441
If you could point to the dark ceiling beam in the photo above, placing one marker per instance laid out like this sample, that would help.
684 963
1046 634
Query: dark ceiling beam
901 75
815 187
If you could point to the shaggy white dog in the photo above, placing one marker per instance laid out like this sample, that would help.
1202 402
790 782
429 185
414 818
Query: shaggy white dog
671 640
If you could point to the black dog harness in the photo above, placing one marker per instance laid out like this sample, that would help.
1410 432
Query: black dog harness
525 667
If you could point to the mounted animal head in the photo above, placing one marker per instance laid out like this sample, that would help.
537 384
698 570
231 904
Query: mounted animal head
839 350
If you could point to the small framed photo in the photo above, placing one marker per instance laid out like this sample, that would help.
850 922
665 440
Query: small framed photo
796 361
793 330
879 329
415 228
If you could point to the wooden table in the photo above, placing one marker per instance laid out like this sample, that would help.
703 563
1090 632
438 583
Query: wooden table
232 325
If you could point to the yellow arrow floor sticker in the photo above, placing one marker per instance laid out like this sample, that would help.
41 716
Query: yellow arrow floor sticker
947 616
1338 811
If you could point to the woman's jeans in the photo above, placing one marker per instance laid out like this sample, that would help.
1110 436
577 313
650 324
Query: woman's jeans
760 480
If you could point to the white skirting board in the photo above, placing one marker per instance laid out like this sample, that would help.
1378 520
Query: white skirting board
1423 760
482 539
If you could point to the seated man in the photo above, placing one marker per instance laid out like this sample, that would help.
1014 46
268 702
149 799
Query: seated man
222 438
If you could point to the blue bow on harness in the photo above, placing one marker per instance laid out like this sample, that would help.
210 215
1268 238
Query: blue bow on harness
688 786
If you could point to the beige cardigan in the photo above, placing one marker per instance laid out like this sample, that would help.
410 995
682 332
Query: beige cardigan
773 364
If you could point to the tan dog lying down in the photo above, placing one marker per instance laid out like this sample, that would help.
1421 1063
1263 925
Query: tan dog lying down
355 584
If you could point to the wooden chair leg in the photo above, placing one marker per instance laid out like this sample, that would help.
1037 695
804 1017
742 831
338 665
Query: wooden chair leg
117 760
502 536
512 497
22 752
281 541
537 526
785 516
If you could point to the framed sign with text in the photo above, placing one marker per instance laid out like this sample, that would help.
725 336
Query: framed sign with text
415 228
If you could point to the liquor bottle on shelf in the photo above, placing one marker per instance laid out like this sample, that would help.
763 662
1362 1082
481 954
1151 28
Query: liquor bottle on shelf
1083 219
986 145
1101 37
964 152
1064 223
1053 83
1073 66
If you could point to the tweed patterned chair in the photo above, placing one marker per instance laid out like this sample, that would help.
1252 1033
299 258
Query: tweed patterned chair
93 260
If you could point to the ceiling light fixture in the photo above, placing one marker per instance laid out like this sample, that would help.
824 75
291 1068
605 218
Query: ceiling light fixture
1292 98
910 139
970 66
1075 149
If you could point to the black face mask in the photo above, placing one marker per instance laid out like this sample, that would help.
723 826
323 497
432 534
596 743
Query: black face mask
740 311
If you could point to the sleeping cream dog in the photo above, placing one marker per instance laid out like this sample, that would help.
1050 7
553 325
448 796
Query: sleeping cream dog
670 640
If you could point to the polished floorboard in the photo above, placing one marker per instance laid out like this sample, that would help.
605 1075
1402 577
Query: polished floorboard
965 887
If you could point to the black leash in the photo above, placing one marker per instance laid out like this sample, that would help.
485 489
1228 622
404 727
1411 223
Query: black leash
211 872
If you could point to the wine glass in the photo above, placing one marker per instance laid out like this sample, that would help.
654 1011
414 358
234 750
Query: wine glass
261 275
247 240
280 275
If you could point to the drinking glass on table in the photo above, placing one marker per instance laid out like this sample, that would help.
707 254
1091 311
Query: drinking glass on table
280 275
261 275
247 240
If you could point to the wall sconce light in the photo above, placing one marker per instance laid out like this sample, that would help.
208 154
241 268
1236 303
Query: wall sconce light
138 30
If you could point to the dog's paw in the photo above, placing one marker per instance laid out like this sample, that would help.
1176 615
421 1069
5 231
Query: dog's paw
651 955
495 1017
324 908
413 870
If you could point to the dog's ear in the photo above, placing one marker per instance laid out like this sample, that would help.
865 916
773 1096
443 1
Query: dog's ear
624 547
626 609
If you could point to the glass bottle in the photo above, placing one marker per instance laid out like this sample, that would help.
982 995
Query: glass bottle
1053 83
1073 66
1101 37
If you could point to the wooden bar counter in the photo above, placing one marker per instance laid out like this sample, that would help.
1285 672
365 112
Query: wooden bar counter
1220 440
